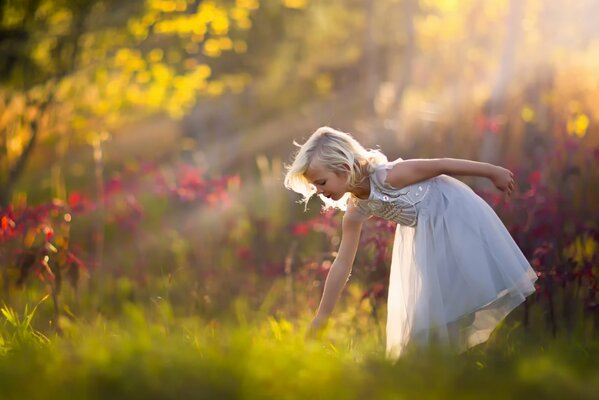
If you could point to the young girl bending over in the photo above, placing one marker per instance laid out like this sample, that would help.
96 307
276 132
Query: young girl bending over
455 270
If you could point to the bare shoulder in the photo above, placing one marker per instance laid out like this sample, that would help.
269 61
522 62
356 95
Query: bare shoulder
407 172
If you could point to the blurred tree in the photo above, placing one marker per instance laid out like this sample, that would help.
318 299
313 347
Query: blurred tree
39 43
79 69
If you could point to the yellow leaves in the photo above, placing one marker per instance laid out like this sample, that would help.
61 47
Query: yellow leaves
297 4
175 111
527 114
203 71
183 26
95 138
143 77
134 94
166 27
42 51
116 76
138 29
59 21
241 16
197 37
215 88
215 46
129 60
192 48
180 83
323 83
162 73
155 55
190 63
236 83
244 24
186 89
207 17
102 107
220 24
212 48
116 85
240 47
247 4
225 43
121 57
65 88
87 40
13 16
578 125
155 96
78 122
167 6
578 122
208 12
15 142
582 249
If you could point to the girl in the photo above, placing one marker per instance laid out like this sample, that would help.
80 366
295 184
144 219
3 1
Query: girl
455 272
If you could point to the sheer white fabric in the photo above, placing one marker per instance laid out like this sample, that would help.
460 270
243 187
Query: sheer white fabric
456 273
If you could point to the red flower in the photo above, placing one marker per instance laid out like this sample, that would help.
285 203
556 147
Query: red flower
74 199
113 186
377 290
245 253
7 223
49 233
534 178
301 229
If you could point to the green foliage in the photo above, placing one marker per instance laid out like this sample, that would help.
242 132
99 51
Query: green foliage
18 331
150 353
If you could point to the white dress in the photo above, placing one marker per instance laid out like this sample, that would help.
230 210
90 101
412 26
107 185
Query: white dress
456 272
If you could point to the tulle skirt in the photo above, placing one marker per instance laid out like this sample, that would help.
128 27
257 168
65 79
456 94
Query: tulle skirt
455 275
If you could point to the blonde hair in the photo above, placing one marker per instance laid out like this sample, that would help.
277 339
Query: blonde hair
339 152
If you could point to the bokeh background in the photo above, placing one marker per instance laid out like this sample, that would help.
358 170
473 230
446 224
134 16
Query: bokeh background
142 152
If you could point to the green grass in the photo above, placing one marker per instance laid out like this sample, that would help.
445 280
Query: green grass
149 353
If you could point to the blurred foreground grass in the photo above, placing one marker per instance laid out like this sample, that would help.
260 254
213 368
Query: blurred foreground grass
149 353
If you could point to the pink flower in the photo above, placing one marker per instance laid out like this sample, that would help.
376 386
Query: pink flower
534 178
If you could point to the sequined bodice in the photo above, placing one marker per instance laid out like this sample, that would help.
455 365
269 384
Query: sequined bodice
398 205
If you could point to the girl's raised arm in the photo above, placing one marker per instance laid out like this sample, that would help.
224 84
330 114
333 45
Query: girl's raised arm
407 172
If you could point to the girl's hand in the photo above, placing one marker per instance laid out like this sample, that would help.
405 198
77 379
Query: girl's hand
503 179
316 328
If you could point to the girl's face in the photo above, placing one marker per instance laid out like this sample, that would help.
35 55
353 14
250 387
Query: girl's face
329 183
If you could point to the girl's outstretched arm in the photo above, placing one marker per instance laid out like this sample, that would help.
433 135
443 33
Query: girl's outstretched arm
340 270
407 172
